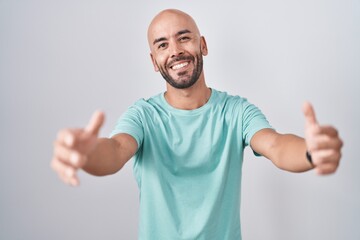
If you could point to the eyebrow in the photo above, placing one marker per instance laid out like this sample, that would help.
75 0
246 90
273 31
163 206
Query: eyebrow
159 40
183 32
177 34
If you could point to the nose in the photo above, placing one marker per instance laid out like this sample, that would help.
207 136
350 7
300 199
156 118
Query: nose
176 50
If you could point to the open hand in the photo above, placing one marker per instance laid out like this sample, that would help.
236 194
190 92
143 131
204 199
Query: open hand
72 148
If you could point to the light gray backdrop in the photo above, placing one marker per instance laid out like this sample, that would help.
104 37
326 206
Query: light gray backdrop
61 60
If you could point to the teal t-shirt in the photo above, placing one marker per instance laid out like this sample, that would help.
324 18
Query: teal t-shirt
188 165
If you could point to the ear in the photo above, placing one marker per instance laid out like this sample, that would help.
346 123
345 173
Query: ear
156 68
203 46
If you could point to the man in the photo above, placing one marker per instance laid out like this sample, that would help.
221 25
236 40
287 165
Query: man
188 143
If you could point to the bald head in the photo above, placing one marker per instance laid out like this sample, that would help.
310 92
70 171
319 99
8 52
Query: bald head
168 22
177 48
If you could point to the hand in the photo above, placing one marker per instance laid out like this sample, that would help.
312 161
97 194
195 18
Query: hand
72 148
323 143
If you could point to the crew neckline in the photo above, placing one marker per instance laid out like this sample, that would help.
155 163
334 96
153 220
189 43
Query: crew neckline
189 112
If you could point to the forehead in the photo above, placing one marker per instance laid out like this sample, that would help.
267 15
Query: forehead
168 24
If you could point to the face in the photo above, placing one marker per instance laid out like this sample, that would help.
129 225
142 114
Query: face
177 49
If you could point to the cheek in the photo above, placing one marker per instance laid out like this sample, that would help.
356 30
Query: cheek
158 62
161 60
195 47
196 51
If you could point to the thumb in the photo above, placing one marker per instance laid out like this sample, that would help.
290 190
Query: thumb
95 123
309 113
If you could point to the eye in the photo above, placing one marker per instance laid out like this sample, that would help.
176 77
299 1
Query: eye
162 45
184 39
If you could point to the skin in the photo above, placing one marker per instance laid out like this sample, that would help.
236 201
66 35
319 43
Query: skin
175 40
166 27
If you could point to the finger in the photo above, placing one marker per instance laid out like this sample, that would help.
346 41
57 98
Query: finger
68 155
309 113
326 156
328 130
62 168
66 172
68 137
323 142
326 169
74 181
95 123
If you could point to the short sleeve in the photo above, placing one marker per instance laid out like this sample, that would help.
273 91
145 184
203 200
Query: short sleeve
253 121
130 123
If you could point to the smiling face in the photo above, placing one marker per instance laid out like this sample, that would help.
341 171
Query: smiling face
176 48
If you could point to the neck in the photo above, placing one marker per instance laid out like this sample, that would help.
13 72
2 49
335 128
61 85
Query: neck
190 98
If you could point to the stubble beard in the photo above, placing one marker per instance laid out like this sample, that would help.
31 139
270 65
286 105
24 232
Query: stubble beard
184 80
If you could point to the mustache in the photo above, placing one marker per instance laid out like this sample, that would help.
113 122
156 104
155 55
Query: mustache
180 58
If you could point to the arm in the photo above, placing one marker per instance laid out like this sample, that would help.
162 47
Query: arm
110 155
288 152
76 149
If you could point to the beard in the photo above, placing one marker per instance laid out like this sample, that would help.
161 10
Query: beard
184 79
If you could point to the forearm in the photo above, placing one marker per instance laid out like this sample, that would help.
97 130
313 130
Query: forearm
105 159
289 153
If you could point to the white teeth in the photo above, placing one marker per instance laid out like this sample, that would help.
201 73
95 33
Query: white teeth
178 66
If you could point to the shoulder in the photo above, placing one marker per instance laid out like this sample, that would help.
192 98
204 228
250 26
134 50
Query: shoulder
144 110
144 104
230 101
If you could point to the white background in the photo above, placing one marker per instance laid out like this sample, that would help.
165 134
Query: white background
61 60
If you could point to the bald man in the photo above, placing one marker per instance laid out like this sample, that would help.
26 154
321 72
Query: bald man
187 143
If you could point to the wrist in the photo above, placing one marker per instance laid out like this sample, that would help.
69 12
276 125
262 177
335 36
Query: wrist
309 158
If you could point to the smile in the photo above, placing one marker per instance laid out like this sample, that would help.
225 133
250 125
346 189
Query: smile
180 65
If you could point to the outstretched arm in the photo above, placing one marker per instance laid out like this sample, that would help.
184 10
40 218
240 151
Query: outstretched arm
288 151
76 149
